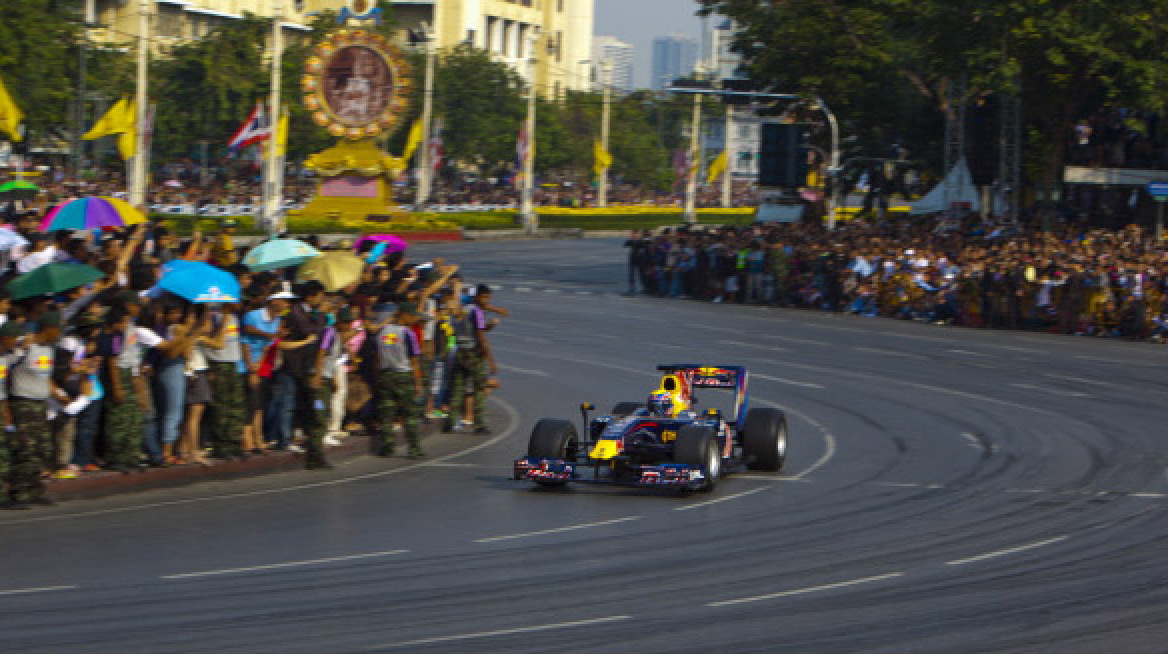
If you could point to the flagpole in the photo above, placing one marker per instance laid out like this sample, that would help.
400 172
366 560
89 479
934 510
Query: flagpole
273 178
425 163
138 179
602 191
526 205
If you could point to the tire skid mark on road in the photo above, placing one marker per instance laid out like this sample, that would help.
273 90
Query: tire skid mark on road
800 591
512 425
502 632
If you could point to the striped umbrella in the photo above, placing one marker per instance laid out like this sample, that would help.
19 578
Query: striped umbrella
91 212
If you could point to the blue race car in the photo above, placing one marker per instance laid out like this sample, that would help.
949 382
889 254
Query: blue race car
664 442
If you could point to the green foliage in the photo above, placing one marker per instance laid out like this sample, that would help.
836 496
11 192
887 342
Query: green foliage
884 65
38 60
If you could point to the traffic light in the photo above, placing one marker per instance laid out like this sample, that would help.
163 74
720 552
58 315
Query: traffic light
782 156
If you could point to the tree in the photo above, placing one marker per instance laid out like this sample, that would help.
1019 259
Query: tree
38 59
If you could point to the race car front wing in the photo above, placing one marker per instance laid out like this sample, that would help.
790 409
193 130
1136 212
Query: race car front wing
546 470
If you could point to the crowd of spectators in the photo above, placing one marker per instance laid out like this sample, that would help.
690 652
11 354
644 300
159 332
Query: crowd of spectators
121 375
1071 280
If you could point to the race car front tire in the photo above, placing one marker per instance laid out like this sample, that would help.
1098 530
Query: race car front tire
626 408
764 439
698 446
553 439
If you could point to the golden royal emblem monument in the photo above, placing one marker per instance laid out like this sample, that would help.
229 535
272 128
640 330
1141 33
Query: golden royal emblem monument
356 86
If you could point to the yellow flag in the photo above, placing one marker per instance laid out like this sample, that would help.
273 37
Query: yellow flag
282 134
112 122
412 141
603 159
10 115
717 168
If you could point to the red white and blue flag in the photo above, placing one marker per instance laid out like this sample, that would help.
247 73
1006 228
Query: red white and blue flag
254 130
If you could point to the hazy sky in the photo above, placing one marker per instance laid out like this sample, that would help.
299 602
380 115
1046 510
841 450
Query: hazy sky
639 21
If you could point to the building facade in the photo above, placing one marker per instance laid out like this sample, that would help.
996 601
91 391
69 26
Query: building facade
562 30
620 54
674 56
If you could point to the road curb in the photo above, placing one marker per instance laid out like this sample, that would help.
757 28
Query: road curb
108 483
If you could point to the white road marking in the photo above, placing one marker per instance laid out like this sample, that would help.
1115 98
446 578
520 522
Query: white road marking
1016 348
51 588
457 464
520 370
501 632
1076 379
1006 552
1026 490
583 293
523 289
964 352
796 340
295 563
764 477
561 529
929 486
1126 363
719 329
787 381
976 443
512 425
749 345
880 351
817 588
1149 495
828 438
728 497
1049 390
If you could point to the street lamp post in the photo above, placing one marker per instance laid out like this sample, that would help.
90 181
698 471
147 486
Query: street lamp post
691 183
727 182
526 204
834 166
274 182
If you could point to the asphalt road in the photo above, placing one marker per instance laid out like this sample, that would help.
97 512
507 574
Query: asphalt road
946 490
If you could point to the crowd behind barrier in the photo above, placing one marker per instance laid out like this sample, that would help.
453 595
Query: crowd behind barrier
121 374
1070 280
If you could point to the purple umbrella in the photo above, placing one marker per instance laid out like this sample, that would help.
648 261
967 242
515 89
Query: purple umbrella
393 243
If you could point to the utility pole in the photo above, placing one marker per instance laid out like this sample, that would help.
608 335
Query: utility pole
727 182
274 168
602 187
526 205
425 166
833 167
691 184
138 179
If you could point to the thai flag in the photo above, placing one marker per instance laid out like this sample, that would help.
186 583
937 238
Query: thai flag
254 130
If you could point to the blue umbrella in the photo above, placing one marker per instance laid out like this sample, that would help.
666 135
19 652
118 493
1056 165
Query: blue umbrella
279 253
199 282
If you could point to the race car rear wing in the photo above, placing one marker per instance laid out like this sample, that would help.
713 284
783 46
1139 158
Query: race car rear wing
720 377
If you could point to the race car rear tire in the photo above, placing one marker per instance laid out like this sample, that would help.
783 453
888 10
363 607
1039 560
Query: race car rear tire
626 408
698 446
553 439
764 439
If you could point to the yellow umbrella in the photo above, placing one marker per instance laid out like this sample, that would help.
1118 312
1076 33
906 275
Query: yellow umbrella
334 270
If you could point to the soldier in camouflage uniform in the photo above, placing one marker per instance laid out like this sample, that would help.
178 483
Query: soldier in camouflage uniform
30 450
123 411
399 381
229 403
9 333
472 356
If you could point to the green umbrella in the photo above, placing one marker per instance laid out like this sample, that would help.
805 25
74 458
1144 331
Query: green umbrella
18 190
53 278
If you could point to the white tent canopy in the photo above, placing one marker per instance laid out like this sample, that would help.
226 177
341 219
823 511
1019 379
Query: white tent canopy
961 193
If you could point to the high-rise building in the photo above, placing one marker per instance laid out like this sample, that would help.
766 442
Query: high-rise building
674 56
562 29
611 49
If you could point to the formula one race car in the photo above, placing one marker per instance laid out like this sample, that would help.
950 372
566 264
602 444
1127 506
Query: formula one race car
661 443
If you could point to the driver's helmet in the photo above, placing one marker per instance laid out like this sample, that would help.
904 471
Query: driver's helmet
660 404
